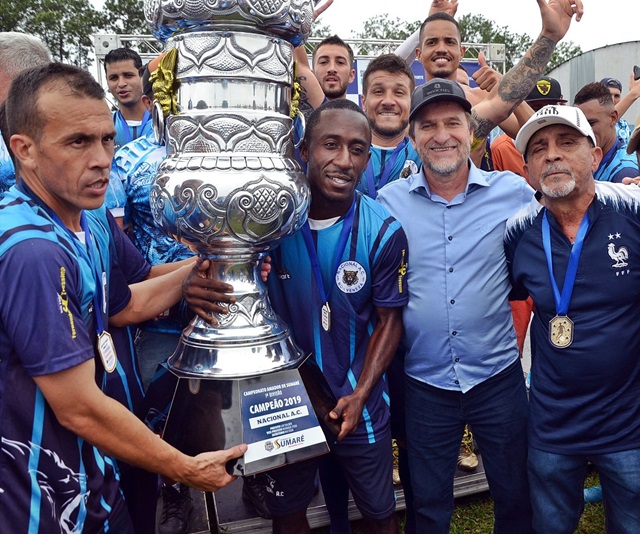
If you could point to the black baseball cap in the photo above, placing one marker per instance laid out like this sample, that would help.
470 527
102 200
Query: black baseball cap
546 89
612 82
438 90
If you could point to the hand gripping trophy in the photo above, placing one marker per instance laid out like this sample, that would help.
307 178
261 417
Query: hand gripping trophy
230 189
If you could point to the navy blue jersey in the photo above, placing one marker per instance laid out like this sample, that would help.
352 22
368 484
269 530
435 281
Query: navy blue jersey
127 267
584 398
371 273
52 480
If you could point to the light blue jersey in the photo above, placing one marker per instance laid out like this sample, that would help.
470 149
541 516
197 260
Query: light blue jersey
387 165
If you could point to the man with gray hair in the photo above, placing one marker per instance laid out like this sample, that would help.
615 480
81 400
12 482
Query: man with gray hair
18 52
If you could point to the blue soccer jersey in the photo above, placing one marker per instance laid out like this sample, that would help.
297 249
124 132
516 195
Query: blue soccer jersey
371 273
127 267
584 397
52 480
617 164
387 165
135 165
127 131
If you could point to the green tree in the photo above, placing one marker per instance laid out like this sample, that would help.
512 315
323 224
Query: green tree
65 26
320 31
383 27
479 29
125 17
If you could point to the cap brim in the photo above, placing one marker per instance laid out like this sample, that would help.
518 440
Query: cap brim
526 132
466 105
550 100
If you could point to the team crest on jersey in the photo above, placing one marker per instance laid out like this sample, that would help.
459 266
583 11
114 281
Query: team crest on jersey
618 254
351 277
409 168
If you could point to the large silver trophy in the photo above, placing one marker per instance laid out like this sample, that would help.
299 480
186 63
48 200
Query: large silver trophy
230 189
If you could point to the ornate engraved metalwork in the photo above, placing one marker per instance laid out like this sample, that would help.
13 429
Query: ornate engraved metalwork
229 187
289 19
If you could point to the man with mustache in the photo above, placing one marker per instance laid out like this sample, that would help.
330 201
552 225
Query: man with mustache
59 431
576 258
333 67
462 362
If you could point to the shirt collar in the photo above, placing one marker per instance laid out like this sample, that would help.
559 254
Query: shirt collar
420 185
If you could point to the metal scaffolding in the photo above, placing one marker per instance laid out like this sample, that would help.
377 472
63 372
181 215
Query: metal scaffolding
149 47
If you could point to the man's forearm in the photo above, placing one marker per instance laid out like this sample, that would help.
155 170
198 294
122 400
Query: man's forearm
151 297
112 428
381 350
514 86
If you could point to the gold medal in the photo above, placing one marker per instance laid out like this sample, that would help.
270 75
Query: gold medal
326 317
107 351
561 331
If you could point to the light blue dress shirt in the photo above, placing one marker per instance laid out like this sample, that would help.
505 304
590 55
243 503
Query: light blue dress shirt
458 325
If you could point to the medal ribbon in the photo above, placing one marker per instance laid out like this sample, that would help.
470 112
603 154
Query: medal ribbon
347 225
99 297
562 300
384 177
122 126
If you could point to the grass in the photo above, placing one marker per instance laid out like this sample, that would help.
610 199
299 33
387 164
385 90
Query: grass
474 515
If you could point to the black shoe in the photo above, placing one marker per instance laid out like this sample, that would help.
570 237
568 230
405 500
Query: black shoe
176 509
254 492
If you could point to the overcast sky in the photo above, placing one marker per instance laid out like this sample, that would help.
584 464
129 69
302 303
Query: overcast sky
600 25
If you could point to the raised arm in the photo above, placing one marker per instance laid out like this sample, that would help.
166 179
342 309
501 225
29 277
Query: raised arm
518 82
627 100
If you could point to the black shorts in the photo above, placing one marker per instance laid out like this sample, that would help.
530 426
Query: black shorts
367 467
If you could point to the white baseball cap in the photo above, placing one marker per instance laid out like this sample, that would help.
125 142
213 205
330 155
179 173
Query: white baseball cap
550 115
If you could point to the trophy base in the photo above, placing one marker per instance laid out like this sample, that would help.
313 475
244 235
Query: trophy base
272 413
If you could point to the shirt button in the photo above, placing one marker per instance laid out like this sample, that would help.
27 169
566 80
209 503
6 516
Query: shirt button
450 269
457 382
450 238
454 333
456 360
452 301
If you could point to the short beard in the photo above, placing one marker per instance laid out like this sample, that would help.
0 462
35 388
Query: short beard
334 94
557 190
389 131
446 169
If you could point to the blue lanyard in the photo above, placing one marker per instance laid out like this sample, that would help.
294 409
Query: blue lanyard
122 126
388 166
562 301
347 225
100 277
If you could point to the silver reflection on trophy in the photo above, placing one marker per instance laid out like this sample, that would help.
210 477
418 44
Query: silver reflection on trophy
230 187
